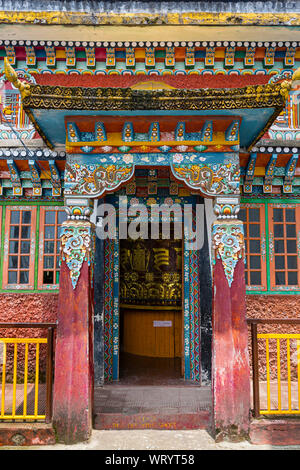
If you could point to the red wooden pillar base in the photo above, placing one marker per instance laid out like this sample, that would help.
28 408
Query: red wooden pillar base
74 374
230 359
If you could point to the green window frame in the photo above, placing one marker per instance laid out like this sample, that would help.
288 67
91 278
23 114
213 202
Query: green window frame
38 208
279 245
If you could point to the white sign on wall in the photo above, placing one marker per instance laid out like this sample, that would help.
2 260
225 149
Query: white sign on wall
162 323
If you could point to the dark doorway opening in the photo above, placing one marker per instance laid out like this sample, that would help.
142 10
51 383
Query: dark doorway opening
151 311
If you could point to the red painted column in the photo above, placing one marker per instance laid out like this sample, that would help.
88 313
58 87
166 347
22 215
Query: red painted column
74 374
230 357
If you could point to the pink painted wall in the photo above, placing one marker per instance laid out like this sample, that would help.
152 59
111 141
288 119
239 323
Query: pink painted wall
41 307
29 308
274 306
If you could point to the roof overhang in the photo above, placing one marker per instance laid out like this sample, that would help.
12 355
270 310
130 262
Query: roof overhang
49 106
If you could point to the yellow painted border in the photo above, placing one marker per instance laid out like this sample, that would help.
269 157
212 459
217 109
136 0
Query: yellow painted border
150 19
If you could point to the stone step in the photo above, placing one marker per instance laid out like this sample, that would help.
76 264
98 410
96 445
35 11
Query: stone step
166 420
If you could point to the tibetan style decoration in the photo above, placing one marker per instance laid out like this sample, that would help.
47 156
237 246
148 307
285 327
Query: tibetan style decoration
77 245
151 272
95 180
212 179
228 246
226 207
109 99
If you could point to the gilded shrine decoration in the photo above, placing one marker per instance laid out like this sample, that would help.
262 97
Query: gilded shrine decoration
228 246
151 272
77 245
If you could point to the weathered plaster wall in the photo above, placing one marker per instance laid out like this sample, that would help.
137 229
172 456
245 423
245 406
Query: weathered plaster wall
273 306
38 307
29 308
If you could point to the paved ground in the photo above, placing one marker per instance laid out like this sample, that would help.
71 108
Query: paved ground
154 440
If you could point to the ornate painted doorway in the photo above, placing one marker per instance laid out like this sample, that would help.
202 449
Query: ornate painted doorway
151 307
152 300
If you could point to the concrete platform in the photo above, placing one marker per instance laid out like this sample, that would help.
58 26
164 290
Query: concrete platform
152 407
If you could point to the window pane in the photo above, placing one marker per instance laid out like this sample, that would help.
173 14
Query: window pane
52 220
24 261
12 277
24 277
25 247
290 215
292 278
25 232
62 216
279 262
254 246
13 247
280 278
50 217
242 215
278 215
255 262
255 278
48 262
254 215
13 262
48 277
278 231
49 247
291 230
50 232
14 231
291 246
15 217
292 262
279 246
254 230
26 217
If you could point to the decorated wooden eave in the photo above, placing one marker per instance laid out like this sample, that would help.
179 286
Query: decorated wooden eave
31 176
275 171
48 106
193 54
161 120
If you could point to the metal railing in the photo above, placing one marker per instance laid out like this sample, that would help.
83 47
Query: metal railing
276 378
25 393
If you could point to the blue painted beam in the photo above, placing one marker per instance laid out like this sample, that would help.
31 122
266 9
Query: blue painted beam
267 187
250 173
15 178
290 173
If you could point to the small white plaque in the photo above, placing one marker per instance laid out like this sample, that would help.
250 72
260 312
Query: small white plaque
162 323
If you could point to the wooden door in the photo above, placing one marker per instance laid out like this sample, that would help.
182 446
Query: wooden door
152 333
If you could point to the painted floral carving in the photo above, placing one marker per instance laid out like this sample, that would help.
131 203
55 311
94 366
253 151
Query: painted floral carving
228 245
211 180
94 180
77 246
